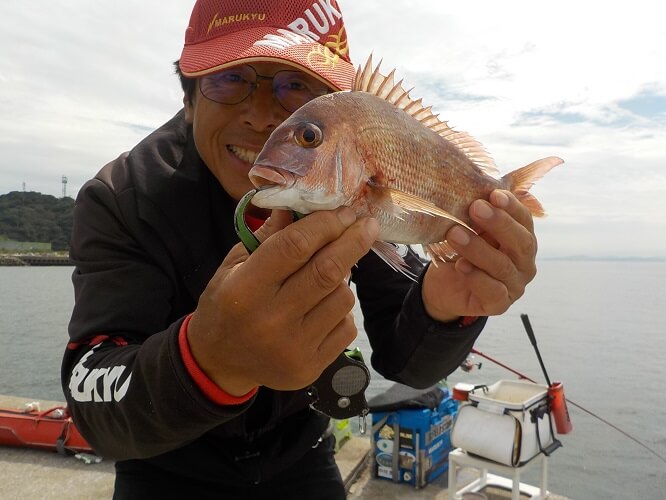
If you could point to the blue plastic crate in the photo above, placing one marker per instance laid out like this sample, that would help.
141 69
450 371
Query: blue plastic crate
423 442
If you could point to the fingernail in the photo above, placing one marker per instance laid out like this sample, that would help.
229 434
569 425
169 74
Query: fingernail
372 227
458 235
499 199
482 210
346 216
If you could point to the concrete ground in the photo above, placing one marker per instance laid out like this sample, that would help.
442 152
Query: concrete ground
46 475
27 473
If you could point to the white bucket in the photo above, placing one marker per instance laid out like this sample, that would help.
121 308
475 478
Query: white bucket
509 423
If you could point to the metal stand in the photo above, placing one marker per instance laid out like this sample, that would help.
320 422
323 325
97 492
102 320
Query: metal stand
459 458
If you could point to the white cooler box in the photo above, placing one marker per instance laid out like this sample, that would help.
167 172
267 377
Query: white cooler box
508 422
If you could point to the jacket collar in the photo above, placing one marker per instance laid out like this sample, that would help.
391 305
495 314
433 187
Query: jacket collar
179 197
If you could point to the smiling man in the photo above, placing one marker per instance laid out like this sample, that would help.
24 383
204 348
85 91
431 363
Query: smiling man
189 360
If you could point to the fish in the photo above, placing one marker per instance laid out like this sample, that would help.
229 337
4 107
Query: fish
384 154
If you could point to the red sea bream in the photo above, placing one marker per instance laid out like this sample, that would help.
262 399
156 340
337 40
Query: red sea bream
377 150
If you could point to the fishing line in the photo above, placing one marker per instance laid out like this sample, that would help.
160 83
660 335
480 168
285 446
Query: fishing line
592 414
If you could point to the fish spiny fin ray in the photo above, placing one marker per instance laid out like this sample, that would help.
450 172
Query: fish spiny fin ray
442 251
389 254
373 82
521 180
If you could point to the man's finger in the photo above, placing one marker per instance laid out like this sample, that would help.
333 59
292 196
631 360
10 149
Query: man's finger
285 252
481 255
508 202
278 220
331 264
508 227
337 339
330 310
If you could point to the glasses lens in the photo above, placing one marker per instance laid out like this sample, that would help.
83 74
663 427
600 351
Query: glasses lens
291 88
294 88
230 86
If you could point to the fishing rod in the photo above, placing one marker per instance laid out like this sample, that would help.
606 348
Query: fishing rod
592 414
558 401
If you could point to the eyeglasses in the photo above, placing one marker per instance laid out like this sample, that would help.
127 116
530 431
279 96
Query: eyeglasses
292 89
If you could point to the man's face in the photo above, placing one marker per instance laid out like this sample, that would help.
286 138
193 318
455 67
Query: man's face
229 136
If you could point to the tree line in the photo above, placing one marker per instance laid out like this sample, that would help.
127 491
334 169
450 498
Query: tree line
36 217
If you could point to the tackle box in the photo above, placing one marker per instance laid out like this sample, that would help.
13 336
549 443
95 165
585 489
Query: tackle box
412 445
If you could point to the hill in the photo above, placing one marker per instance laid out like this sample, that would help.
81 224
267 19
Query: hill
31 216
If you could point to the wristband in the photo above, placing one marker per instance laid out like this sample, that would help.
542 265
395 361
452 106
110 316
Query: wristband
212 391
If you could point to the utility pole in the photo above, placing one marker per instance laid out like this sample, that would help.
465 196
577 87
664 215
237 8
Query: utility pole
64 186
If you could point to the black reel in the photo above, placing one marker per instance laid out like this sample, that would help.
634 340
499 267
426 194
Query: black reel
340 390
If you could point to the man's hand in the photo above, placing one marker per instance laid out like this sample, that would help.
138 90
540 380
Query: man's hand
494 267
280 316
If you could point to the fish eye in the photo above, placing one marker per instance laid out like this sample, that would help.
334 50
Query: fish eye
308 135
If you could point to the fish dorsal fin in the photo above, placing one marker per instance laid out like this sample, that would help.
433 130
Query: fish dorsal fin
372 81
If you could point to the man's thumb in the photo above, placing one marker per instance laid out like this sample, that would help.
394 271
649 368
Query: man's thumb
278 220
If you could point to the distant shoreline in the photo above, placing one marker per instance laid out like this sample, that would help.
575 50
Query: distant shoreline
35 259
62 259
586 258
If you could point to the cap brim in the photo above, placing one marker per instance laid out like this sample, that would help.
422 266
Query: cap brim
237 48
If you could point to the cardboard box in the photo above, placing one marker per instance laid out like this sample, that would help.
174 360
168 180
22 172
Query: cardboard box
421 438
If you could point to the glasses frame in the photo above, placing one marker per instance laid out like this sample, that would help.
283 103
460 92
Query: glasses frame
255 85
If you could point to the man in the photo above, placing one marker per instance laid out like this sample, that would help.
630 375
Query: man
189 360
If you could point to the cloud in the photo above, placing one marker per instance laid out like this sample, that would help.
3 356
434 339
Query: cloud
531 80
649 103
83 81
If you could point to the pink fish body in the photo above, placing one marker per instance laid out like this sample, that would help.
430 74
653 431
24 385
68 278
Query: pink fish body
386 156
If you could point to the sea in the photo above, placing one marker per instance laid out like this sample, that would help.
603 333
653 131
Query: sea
600 326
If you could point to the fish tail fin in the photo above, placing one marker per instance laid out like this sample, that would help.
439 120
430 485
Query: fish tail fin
521 180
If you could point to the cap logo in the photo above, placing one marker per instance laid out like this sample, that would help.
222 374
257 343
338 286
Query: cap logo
327 16
217 21
331 51
316 22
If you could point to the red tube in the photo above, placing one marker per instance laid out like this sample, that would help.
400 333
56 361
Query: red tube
559 408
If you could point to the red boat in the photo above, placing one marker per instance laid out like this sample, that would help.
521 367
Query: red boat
52 429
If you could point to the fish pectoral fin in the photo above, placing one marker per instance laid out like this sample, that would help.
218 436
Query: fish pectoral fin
388 252
409 203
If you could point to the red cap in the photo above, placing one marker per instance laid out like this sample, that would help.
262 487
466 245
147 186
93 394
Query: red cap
307 34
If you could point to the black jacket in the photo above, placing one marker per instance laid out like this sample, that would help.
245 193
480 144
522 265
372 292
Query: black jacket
149 232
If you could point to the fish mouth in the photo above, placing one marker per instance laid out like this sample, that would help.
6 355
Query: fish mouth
266 177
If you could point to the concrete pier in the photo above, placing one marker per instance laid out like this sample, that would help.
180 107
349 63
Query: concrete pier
27 473
35 260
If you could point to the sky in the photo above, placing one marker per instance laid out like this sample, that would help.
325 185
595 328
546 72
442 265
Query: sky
81 82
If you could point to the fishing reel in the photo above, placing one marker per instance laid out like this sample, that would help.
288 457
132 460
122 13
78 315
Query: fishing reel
468 365
339 392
